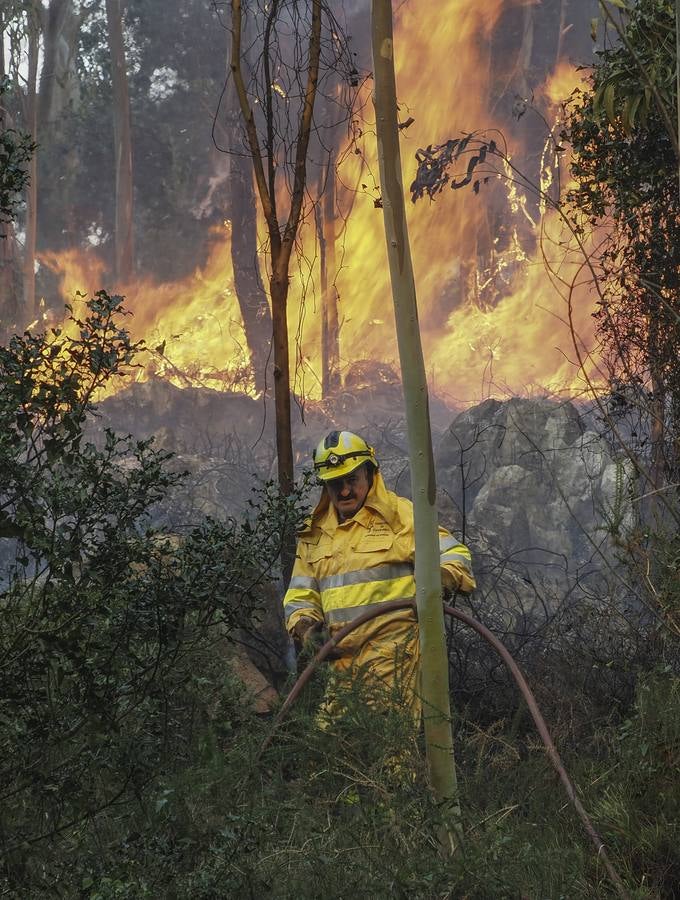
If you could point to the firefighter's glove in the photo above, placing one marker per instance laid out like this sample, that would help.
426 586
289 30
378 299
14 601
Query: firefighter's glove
307 634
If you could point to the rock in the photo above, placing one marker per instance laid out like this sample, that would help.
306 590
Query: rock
529 473
534 489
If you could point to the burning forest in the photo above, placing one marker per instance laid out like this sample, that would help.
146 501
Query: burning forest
493 322
339 448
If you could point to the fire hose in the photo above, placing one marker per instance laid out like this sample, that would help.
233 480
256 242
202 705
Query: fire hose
521 682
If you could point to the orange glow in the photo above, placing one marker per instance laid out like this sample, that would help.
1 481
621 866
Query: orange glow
192 328
516 343
563 81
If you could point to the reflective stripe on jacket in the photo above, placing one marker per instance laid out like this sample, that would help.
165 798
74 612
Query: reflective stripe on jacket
342 569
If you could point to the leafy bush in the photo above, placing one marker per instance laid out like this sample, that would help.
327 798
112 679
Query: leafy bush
638 800
347 812
106 626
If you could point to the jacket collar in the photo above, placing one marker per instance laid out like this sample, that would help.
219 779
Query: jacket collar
379 500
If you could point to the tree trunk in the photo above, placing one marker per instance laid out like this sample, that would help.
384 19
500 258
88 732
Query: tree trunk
434 665
250 293
58 99
122 145
330 351
58 84
48 73
31 115
8 305
278 287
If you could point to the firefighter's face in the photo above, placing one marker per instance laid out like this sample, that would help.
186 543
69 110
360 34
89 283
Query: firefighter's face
348 494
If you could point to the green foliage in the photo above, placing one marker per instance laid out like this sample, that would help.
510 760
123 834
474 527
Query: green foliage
107 627
345 811
637 798
16 149
637 78
624 155
622 130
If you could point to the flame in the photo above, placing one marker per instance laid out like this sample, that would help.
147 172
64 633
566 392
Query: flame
523 342
192 328
564 80
489 329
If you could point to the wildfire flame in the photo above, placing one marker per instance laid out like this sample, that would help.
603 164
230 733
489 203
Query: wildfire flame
192 328
518 343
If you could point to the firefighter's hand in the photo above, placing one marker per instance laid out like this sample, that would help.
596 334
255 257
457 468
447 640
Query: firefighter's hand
306 633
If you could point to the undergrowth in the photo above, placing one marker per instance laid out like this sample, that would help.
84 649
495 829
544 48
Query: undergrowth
344 811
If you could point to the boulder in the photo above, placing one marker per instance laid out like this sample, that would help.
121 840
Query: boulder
531 483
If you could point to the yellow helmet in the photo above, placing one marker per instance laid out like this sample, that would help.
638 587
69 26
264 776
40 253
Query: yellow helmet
340 453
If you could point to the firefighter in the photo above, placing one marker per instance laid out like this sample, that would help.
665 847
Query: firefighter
355 552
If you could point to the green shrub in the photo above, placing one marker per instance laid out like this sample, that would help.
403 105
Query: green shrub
108 629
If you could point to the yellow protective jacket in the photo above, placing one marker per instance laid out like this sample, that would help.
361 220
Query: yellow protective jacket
342 569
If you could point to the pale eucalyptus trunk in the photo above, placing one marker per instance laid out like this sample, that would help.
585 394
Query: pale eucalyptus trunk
434 661
122 144
58 80
31 111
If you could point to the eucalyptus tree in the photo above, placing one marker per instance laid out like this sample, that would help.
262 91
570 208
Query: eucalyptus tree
434 665
291 48
18 23
30 118
122 144
33 31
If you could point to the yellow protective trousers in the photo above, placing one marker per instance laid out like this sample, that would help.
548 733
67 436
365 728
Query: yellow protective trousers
387 665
